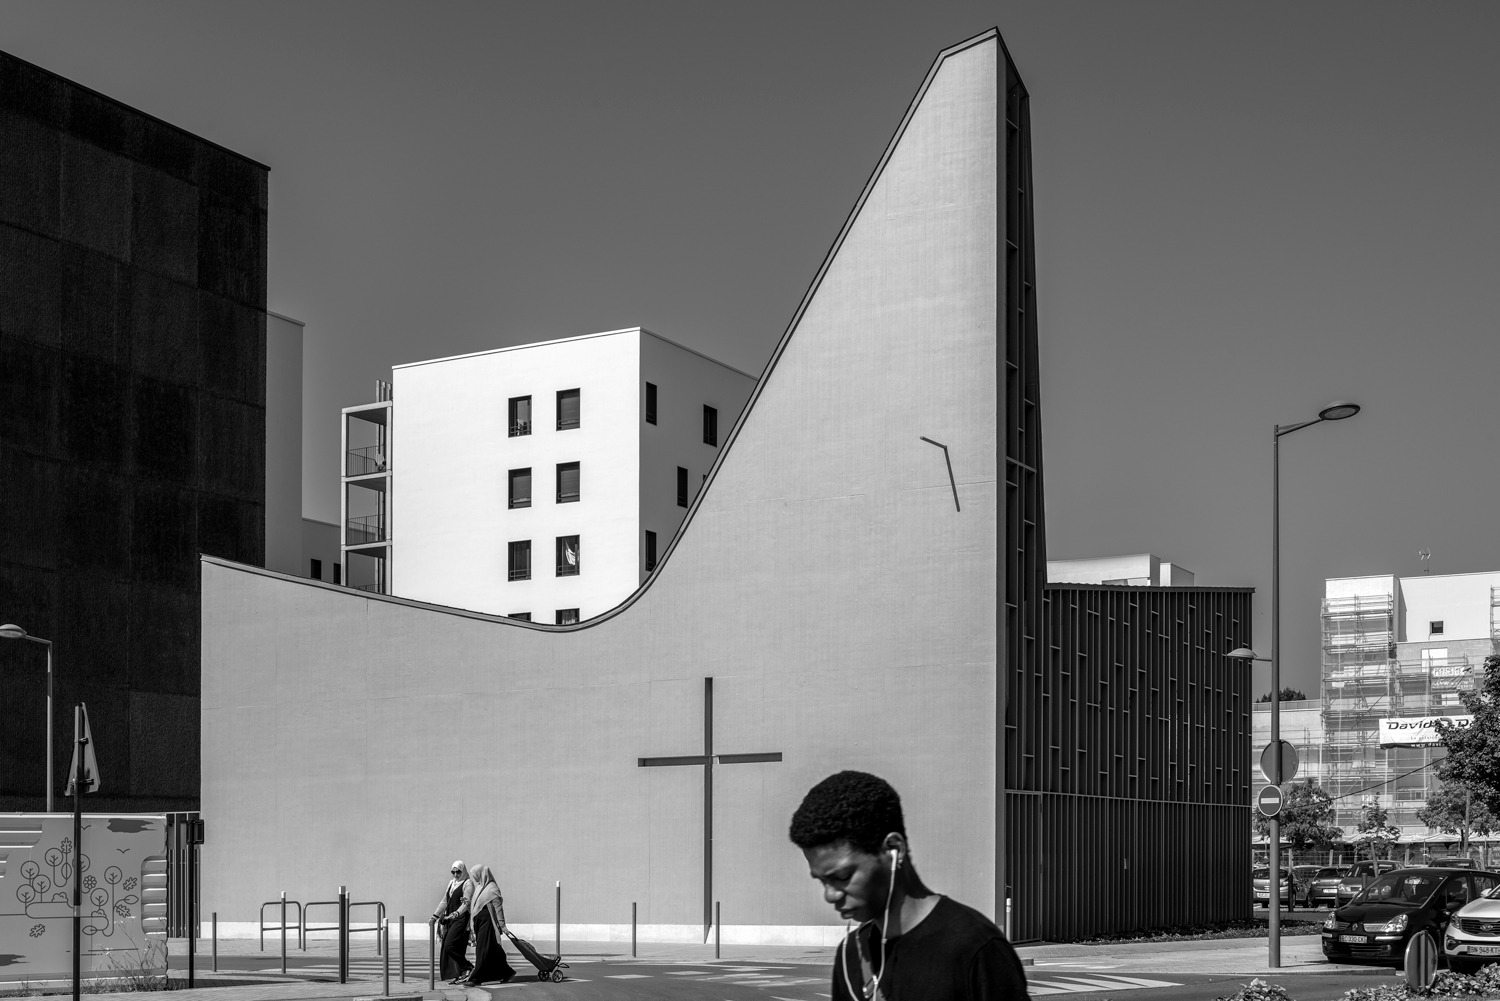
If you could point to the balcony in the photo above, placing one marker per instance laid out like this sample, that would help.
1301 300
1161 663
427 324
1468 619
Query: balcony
363 461
365 529
519 428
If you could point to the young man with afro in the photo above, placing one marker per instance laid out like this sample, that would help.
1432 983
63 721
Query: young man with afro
911 944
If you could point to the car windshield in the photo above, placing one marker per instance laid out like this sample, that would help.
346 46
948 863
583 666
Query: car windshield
1329 874
1493 893
1400 888
1264 872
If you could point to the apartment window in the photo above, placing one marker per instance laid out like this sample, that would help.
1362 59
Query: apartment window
681 487
337 573
567 616
1435 627
567 409
520 415
650 403
567 556
520 560
520 487
710 425
650 551
567 482
316 573
523 616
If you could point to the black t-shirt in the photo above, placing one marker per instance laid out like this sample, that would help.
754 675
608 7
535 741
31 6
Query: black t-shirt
953 954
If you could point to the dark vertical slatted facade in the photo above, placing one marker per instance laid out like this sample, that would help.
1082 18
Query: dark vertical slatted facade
1124 752
1129 771
1023 561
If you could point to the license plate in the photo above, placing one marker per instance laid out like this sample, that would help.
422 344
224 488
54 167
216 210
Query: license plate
1484 950
1262 893
1357 939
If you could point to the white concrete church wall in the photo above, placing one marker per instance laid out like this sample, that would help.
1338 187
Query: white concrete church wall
845 609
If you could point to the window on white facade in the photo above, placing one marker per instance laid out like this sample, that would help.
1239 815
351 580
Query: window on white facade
567 616
567 482
568 412
567 555
520 416
1435 627
520 487
520 560
650 403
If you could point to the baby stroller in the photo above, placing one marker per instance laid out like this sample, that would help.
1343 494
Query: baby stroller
548 967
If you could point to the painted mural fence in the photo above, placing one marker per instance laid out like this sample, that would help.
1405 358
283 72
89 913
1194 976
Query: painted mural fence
121 864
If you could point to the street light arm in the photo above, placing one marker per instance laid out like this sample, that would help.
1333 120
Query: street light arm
1282 429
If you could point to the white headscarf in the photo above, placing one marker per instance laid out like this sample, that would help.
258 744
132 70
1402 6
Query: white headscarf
486 893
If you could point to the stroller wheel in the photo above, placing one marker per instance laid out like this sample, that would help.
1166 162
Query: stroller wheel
557 976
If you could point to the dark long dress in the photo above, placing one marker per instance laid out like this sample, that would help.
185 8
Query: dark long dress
456 938
490 962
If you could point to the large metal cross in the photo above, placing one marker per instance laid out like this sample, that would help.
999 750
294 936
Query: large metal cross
707 759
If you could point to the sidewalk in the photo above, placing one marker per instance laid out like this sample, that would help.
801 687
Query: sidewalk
239 982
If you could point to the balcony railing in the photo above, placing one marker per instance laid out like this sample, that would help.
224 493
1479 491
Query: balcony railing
520 573
361 461
367 528
518 428
567 569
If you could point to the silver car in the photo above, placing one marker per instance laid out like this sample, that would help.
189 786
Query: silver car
1472 938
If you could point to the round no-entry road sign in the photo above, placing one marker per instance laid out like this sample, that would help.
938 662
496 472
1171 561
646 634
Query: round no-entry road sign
1282 769
1269 801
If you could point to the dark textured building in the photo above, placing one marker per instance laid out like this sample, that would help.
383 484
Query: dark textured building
132 425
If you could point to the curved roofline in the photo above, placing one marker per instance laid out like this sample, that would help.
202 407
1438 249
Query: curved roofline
791 328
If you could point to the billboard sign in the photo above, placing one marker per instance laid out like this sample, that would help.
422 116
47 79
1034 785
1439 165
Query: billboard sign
1417 731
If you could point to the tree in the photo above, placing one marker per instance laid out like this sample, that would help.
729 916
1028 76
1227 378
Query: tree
1448 809
1376 829
1306 818
1287 695
1474 751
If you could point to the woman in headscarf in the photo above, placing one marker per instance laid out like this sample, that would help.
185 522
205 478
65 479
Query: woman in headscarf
452 916
487 920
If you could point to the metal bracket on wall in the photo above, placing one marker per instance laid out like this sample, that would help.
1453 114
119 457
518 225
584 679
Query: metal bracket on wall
946 458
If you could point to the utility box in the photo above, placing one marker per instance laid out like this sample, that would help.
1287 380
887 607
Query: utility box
122 863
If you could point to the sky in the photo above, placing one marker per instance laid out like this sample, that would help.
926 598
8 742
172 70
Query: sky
1243 212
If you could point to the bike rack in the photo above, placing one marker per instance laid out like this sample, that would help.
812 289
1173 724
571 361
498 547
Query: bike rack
277 927
379 918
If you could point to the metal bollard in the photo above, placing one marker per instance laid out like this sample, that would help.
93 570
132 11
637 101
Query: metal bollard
557 926
432 954
283 933
716 929
403 948
1007 918
632 929
343 934
385 933
216 940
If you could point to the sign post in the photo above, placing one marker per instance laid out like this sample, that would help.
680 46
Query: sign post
1269 803
83 777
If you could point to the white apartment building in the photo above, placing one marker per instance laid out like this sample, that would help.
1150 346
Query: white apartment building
541 481
1396 653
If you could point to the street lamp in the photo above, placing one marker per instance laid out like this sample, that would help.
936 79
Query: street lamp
1336 411
14 632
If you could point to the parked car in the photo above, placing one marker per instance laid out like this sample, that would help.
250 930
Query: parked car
1260 879
1384 916
1360 874
1302 877
1323 888
1454 863
1473 936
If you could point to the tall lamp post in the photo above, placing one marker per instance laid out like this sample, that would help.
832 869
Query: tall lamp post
10 631
1336 411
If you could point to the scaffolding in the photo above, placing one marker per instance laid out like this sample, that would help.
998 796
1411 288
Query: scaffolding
1363 681
1495 620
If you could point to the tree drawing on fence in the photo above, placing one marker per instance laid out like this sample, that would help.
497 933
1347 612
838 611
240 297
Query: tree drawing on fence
110 899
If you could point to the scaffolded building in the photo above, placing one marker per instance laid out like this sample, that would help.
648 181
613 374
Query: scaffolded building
1397 649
